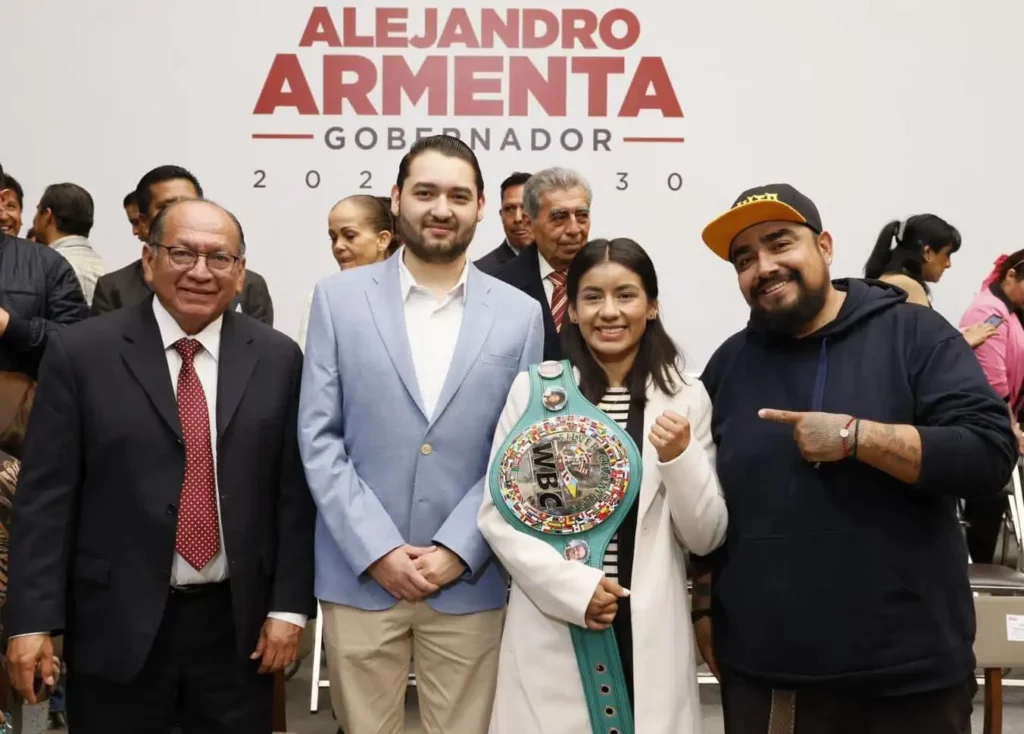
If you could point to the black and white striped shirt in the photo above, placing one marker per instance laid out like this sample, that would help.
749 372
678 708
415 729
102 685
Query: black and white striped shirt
616 404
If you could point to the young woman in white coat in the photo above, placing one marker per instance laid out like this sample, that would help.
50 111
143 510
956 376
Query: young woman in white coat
628 366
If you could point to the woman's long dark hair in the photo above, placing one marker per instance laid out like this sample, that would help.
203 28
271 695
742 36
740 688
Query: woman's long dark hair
658 358
907 256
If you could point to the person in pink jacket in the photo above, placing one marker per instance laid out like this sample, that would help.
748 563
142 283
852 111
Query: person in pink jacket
998 303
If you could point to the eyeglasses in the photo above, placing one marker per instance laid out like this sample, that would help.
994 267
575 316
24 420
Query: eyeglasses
186 259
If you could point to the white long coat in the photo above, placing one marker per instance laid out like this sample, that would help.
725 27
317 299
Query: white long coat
680 505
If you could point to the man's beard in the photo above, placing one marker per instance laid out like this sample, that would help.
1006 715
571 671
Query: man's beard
440 254
789 320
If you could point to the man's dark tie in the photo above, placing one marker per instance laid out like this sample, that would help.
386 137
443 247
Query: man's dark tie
198 538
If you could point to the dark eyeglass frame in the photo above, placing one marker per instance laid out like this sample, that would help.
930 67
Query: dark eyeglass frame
194 256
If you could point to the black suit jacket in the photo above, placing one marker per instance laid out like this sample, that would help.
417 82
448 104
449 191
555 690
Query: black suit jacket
126 287
524 274
494 260
96 506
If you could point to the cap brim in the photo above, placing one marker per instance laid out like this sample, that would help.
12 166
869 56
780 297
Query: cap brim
720 233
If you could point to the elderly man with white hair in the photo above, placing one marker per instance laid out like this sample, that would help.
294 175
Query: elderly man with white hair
557 201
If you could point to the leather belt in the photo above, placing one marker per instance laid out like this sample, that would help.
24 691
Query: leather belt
199 589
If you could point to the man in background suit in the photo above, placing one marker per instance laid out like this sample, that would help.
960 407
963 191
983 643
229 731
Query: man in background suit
127 286
557 202
164 523
131 210
515 223
395 434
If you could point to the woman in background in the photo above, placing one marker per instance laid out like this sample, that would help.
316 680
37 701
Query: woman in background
914 253
999 303
628 366
362 230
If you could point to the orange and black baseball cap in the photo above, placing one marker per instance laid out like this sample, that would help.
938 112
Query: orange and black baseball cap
771 203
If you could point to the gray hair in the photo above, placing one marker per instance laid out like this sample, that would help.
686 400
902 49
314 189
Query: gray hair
156 229
552 179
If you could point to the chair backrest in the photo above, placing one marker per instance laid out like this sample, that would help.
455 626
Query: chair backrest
1017 514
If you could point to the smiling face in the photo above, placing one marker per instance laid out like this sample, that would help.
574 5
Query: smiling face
438 207
195 296
10 214
783 274
612 310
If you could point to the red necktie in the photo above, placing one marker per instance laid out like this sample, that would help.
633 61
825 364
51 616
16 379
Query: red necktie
198 538
559 302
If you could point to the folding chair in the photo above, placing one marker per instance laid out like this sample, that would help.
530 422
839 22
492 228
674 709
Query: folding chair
318 648
999 608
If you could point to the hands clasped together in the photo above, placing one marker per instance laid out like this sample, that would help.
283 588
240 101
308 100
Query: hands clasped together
411 573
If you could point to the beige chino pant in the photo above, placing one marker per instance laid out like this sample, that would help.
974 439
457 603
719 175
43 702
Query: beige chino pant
455 658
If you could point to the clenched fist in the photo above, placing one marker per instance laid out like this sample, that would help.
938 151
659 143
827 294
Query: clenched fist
670 435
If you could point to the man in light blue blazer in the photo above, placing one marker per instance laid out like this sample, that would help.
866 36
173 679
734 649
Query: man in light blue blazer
408 365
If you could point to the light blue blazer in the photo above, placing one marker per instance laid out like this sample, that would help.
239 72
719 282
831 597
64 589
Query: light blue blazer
383 475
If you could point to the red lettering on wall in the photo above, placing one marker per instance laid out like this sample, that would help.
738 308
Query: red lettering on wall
429 36
286 71
525 79
483 87
458 30
391 28
432 80
598 70
632 29
493 27
531 37
337 90
468 85
651 72
320 29
350 33
578 25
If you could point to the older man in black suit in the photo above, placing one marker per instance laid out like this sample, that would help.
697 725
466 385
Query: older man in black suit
557 202
163 522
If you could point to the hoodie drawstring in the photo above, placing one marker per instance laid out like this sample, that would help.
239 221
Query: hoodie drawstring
820 378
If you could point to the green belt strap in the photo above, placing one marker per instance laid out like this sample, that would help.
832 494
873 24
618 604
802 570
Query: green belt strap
557 408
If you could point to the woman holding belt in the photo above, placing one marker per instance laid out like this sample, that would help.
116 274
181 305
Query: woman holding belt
625 363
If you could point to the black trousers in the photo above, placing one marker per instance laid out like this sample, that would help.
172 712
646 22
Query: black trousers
194 679
746 706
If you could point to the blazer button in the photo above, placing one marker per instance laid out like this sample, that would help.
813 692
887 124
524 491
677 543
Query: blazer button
172 509
426 449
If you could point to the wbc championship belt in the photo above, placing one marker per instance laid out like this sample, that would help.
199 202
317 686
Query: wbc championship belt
568 474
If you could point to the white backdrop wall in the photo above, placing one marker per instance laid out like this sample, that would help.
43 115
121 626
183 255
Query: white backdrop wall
877 109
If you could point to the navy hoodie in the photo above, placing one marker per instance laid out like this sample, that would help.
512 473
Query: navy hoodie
842 575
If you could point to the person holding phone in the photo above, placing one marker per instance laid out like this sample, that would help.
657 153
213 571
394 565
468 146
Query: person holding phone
998 305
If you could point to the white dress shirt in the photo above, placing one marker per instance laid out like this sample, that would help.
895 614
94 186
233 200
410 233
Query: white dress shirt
205 362
433 327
